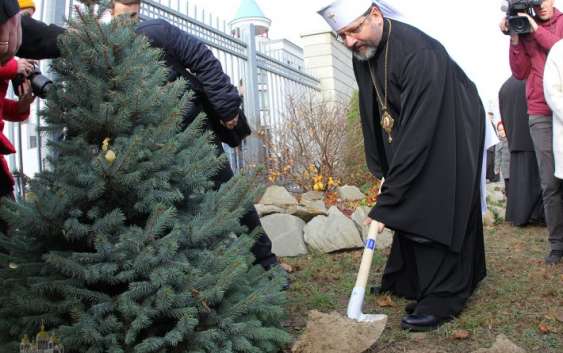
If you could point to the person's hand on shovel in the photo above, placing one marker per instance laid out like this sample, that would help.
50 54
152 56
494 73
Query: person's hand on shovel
380 226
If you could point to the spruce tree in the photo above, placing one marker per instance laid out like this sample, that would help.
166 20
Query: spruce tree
122 245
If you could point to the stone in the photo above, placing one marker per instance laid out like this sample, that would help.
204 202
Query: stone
383 240
312 196
498 212
332 233
359 216
350 193
286 233
495 198
265 210
277 196
305 213
334 333
318 204
489 219
501 345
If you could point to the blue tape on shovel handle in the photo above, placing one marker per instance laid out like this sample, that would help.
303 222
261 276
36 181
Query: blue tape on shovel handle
370 244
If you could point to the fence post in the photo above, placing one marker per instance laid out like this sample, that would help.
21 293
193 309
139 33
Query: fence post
252 145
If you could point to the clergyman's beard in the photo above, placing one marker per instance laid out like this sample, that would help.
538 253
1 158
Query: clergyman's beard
367 54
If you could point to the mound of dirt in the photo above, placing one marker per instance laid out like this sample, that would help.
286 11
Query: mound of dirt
333 333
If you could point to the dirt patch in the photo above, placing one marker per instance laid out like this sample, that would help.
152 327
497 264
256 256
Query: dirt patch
334 333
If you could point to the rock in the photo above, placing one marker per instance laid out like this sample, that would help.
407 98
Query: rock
350 193
318 204
489 219
286 233
264 210
495 198
277 196
359 216
384 240
498 212
306 213
334 333
502 345
332 233
312 196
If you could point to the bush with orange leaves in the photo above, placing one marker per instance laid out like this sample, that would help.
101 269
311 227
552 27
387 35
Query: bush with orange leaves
306 150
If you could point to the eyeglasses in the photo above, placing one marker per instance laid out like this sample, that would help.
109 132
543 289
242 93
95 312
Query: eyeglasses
341 37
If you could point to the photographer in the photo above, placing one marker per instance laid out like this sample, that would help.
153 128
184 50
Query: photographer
528 54
12 111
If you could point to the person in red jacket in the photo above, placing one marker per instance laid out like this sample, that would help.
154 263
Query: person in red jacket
11 110
528 54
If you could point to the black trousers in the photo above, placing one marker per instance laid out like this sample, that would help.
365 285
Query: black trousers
262 248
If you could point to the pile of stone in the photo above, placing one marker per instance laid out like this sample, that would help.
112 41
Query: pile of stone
496 205
298 227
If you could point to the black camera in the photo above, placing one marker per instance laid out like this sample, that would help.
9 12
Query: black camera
40 84
520 24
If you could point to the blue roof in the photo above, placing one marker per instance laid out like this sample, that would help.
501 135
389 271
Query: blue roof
248 8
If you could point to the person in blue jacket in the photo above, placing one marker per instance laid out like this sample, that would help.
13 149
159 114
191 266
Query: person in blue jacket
214 94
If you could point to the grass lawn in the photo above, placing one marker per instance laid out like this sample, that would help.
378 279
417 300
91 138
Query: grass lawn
521 297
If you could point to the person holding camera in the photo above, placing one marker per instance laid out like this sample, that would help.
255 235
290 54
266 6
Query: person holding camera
12 111
528 53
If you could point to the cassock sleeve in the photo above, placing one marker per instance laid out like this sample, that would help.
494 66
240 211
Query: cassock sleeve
39 40
423 84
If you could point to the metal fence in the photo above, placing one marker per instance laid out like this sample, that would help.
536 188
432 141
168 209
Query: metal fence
267 80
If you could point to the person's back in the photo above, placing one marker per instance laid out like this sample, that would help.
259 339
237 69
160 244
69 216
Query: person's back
524 198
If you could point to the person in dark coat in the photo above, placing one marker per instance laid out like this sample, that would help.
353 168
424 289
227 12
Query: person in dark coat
524 199
424 132
213 93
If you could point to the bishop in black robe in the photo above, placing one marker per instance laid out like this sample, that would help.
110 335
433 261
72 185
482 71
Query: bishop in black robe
524 199
432 168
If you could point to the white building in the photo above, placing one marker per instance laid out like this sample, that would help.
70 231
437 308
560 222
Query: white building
331 62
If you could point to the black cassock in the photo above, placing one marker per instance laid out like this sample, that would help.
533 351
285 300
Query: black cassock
524 200
431 194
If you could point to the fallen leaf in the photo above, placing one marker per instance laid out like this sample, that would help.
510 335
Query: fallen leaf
544 329
461 334
559 314
286 267
385 301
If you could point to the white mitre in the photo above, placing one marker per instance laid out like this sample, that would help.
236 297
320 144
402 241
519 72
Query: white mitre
341 13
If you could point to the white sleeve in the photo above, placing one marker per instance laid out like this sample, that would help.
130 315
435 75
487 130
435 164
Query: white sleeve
553 80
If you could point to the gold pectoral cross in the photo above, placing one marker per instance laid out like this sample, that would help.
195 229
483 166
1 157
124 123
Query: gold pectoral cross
387 122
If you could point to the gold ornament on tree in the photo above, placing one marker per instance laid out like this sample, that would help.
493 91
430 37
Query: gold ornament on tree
110 155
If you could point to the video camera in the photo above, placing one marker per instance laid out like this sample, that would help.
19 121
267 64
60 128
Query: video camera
40 84
519 24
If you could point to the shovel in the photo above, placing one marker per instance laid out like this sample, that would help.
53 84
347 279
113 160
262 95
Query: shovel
358 293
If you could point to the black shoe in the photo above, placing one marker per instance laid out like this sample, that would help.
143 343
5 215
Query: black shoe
554 257
421 323
409 308
376 290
